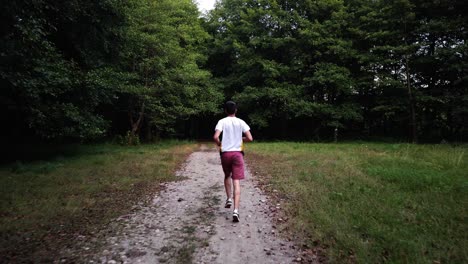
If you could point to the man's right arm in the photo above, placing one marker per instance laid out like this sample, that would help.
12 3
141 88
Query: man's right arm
216 137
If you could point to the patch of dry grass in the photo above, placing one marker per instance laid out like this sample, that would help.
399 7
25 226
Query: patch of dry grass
45 204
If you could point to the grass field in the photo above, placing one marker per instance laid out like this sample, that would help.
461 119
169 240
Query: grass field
45 203
371 202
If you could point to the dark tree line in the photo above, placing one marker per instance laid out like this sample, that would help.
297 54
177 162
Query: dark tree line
378 68
82 69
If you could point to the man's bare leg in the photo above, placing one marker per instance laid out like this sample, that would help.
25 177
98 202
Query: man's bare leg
236 194
227 187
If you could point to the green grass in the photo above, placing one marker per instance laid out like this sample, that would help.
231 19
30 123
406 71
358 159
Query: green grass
371 202
42 203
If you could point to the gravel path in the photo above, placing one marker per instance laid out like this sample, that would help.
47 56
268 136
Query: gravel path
187 223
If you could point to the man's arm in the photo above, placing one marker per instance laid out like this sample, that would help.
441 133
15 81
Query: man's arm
216 137
248 136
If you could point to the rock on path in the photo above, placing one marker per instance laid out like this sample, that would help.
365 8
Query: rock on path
187 223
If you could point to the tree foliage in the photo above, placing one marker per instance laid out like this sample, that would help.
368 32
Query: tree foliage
300 69
369 68
47 49
165 55
82 69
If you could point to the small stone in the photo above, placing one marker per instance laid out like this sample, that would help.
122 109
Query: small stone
111 262
134 253
298 259
266 249
180 200
222 238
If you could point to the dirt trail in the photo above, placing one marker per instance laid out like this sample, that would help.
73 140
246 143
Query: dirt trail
187 223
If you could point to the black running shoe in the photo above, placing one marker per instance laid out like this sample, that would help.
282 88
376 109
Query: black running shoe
235 217
228 203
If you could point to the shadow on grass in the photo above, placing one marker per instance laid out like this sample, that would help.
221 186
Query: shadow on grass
33 152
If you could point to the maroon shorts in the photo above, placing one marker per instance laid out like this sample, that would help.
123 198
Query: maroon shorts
233 162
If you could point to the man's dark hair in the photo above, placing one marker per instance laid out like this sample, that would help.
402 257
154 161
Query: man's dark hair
230 107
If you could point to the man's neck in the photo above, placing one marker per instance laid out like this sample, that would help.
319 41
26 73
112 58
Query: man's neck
233 115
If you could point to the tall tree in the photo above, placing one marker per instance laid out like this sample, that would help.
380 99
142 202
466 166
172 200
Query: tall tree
441 68
400 46
47 50
163 51
285 60
75 69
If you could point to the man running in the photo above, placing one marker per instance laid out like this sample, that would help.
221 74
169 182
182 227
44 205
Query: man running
232 158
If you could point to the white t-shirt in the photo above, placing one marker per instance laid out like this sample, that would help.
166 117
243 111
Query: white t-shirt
232 128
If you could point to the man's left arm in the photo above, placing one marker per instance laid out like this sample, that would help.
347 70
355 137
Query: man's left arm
246 130
248 136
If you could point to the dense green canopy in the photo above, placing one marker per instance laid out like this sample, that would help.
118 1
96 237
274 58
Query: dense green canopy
299 69
369 68
85 69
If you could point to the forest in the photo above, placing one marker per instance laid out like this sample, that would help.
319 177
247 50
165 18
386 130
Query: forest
140 70
82 80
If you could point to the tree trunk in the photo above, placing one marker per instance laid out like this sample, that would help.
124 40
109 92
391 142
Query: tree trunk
413 128
135 125
148 132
